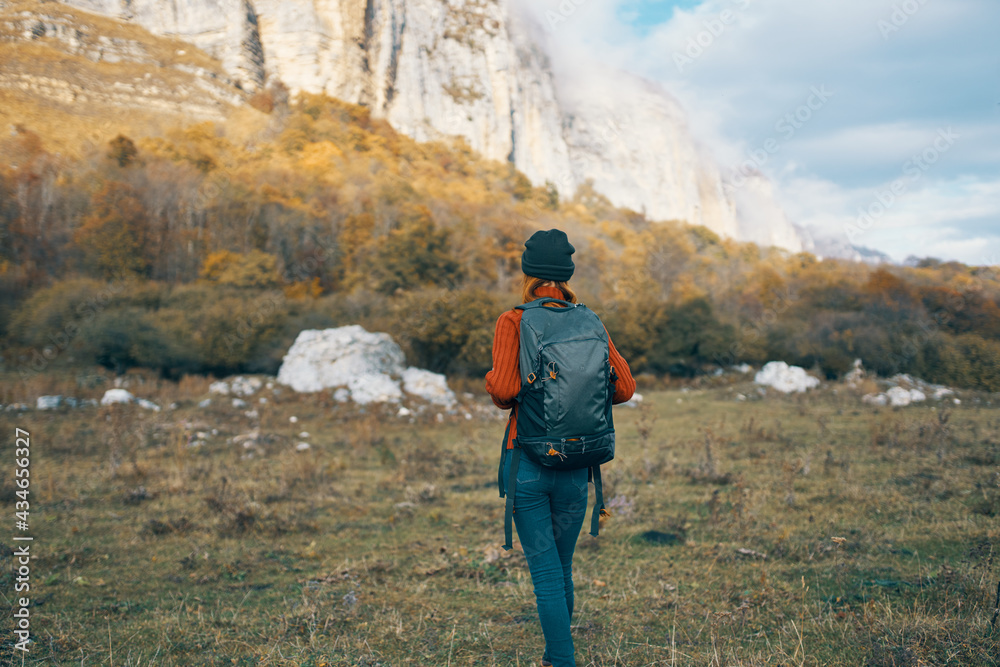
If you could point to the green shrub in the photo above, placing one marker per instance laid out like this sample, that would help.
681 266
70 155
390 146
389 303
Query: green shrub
447 331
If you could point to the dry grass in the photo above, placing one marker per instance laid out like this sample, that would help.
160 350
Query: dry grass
380 543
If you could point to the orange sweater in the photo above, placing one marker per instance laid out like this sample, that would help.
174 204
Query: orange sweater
503 382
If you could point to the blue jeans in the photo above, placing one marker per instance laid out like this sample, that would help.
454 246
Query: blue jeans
549 508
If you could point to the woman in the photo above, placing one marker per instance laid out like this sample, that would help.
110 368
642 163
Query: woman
551 504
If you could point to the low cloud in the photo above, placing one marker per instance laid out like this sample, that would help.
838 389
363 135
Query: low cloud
754 61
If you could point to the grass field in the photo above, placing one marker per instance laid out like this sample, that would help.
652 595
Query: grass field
869 534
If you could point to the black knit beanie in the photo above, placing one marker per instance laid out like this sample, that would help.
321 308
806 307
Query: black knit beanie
547 256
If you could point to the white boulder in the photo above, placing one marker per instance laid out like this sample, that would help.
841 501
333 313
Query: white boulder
874 399
432 387
899 397
785 378
114 396
365 367
319 360
374 388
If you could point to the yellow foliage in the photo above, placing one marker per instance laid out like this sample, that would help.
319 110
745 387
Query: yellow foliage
255 269
307 289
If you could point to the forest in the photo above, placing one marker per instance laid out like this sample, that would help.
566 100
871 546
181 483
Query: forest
207 248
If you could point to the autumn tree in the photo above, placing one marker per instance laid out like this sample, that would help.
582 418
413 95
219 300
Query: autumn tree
114 237
256 269
416 254
122 150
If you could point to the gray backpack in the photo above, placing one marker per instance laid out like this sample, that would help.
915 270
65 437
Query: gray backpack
564 407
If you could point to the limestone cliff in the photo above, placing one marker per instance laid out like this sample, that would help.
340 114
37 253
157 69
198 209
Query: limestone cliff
78 64
472 68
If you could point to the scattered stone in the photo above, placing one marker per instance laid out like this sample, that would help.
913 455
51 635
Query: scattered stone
48 402
149 405
112 396
301 446
342 395
245 386
403 412
204 404
293 419
742 368
899 397
874 399
750 553
785 378
239 403
304 434
248 439
634 401
856 374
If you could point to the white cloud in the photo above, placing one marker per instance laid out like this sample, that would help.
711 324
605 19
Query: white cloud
893 90
957 219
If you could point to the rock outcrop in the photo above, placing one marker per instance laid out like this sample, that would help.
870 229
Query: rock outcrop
477 70
86 64
364 367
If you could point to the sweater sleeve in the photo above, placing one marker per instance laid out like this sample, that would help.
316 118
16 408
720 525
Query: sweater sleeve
626 383
503 382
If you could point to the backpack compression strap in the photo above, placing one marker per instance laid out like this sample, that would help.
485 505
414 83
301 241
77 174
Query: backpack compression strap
595 519
503 453
508 515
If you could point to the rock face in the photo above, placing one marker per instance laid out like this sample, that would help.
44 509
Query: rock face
785 378
475 69
90 64
225 29
366 367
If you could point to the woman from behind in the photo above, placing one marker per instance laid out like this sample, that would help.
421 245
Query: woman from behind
550 504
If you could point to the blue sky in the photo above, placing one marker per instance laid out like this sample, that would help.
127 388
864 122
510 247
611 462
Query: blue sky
897 75
647 14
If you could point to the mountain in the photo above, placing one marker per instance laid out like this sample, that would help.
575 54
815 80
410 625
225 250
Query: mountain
833 247
475 69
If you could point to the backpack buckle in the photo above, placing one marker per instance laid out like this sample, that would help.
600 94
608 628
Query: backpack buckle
531 377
